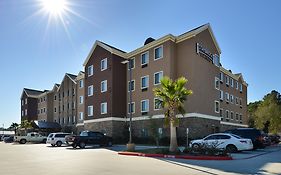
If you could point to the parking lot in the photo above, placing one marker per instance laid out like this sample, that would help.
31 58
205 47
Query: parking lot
43 159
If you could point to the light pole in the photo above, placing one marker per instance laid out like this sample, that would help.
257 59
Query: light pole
128 62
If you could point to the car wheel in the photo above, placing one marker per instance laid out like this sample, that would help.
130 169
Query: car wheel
22 141
44 141
74 145
53 145
82 145
195 146
231 149
59 143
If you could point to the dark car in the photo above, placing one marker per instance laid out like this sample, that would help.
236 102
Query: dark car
250 133
88 138
275 139
9 139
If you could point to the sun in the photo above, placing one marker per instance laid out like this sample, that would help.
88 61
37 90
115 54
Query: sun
54 7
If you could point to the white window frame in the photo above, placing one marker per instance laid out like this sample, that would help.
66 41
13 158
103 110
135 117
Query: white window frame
237 85
221 95
227 80
155 104
147 105
92 92
240 117
81 84
129 85
101 108
147 52
221 77
236 116
134 60
159 79
91 109
231 118
22 113
231 82
227 114
161 54
240 102
105 83
217 102
55 109
231 99
221 113
26 101
236 100
25 111
81 116
81 99
106 64
227 97
217 80
90 70
241 87
134 107
147 81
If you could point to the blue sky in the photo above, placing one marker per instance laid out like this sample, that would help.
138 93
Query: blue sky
36 55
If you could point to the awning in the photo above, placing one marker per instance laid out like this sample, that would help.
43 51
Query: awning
46 125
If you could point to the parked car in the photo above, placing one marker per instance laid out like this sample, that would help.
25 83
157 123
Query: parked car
229 142
4 136
31 137
57 139
9 139
250 133
274 138
88 138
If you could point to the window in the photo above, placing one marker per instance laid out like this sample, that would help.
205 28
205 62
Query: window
131 108
217 106
157 77
103 64
90 70
217 83
221 112
103 86
240 117
144 59
237 84
68 93
41 110
44 98
41 99
69 119
73 105
90 111
227 97
240 102
231 115
231 98
67 105
158 103
81 99
131 63
25 111
227 114
144 132
145 105
55 97
237 116
216 60
221 77
44 110
81 116
55 109
26 101
90 90
236 101
63 120
226 80
231 82
144 82
221 95
131 85
22 113
81 84
241 88
104 108
22 102
158 53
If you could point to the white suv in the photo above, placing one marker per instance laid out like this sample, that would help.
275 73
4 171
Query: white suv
57 138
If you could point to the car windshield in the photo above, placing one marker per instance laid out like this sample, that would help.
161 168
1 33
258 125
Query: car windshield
236 136
50 135
84 133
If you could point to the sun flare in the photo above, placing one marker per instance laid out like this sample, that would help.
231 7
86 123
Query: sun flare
54 7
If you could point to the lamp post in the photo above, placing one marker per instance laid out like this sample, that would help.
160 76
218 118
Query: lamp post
130 97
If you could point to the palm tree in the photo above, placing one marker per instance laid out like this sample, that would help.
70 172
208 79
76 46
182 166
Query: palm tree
14 126
172 95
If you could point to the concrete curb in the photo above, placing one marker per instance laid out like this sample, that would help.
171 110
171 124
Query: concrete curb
176 156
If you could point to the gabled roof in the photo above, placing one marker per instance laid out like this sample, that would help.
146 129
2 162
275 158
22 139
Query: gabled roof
107 47
31 92
72 77
234 76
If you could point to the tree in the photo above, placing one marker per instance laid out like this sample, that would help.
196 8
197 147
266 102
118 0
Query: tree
26 124
172 95
14 126
268 113
252 108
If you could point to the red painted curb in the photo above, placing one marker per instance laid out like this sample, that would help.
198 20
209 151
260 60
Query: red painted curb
176 156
